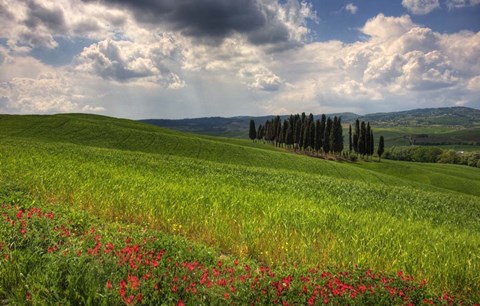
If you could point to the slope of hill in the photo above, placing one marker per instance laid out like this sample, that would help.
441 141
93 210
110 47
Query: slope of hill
252 200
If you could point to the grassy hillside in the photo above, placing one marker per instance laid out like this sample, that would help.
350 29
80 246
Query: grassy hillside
252 200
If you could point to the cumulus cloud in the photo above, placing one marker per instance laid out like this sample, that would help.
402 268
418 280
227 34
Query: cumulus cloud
126 61
259 77
351 8
383 27
401 65
420 7
49 93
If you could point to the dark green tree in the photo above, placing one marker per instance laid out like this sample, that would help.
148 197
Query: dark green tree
339 135
326 138
333 135
298 133
253 131
356 136
323 123
312 134
362 138
350 138
289 136
318 136
381 147
372 143
368 142
259 132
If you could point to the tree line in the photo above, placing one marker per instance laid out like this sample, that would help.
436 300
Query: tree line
324 135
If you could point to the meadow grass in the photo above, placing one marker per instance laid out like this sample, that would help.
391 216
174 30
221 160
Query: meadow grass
255 202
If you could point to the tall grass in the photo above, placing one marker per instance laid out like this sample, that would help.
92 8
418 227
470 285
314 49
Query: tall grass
273 215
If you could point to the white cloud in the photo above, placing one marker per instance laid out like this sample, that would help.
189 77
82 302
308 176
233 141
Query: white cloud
351 8
259 77
129 62
474 84
49 93
420 7
453 4
382 27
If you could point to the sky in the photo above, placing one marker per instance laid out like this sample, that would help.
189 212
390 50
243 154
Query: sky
198 58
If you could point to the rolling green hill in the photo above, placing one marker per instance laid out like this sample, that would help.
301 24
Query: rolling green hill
253 200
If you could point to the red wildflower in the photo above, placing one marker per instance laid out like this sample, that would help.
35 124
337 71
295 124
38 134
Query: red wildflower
109 284
19 214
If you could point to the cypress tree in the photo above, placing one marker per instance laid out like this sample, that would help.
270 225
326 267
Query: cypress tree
289 136
283 133
326 137
323 122
356 136
318 136
339 135
362 139
368 142
259 132
253 131
350 138
312 134
372 143
333 136
298 133
381 147
306 136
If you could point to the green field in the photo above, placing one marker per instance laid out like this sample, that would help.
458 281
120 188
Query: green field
454 138
252 200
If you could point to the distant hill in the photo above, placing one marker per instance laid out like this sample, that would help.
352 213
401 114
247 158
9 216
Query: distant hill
236 127
455 117
446 116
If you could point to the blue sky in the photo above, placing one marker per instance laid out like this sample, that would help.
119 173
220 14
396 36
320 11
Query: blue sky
164 59
337 23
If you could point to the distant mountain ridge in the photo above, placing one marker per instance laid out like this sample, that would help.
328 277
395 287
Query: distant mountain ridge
463 117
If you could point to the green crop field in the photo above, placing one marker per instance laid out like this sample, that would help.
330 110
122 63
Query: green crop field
250 200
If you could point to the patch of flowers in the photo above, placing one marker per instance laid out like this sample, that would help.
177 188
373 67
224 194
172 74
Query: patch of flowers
68 257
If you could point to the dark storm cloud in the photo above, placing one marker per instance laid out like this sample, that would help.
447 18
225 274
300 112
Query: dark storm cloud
211 19
53 19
